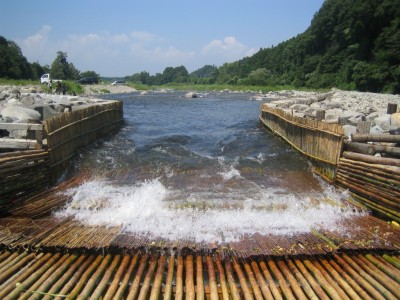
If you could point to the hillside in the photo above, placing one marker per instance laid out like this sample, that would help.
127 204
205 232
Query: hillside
349 44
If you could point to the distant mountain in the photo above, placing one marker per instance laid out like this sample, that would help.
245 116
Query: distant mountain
350 44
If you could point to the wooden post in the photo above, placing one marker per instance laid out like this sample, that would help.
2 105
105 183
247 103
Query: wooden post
320 114
363 127
391 108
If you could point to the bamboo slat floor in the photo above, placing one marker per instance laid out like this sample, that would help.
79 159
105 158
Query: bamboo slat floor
45 257
45 275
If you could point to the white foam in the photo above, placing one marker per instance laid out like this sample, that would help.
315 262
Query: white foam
143 209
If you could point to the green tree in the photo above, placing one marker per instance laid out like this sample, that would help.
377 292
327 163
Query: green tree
89 74
12 62
62 69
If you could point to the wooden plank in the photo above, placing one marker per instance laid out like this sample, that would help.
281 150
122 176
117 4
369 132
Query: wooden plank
7 143
21 126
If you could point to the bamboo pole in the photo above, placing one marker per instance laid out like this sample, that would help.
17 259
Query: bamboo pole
125 281
66 276
155 291
14 264
354 273
32 279
349 279
222 279
310 279
300 280
377 274
339 279
260 279
231 280
117 278
242 279
392 261
388 269
199 278
331 291
384 138
382 198
133 291
290 278
267 274
212 278
102 285
287 292
31 267
170 276
370 149
189 284
147 279
80 276
179 279
256 289
91 283
372 159
51 276
378 169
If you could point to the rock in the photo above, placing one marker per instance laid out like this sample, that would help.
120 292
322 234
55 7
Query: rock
13 101
191 95
46 111
383 121
299 107
27 100
143 93
20 113
349 130
376 130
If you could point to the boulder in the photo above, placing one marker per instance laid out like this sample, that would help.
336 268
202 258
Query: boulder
20 113
143 93
383 121
349 130
27 100
191 95
299 107
376 130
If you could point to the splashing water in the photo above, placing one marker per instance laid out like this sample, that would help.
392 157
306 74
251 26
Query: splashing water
203 172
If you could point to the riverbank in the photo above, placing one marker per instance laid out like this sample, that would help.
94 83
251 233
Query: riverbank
348 108
18 103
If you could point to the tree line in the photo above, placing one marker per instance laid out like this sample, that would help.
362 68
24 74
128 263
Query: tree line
14 65
349 44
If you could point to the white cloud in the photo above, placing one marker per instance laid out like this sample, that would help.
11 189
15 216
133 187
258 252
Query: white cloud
38 38
229 47
144 36
127 53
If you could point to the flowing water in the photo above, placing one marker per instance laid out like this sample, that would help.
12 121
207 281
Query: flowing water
201 169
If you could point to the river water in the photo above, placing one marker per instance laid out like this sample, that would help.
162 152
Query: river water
202 169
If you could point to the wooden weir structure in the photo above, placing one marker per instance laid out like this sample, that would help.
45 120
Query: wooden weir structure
44 257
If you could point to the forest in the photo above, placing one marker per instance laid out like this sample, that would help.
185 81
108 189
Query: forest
350 44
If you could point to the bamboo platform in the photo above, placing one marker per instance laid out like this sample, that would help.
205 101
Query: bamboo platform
43 257
45 275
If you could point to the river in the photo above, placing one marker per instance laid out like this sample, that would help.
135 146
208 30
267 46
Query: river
202 169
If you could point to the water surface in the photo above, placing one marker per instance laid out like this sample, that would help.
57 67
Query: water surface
202 169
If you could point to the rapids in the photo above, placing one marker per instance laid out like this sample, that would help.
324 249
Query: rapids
200 169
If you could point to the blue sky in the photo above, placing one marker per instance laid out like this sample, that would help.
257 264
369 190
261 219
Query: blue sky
118 38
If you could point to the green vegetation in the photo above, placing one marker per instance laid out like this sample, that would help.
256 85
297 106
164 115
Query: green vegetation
349 45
